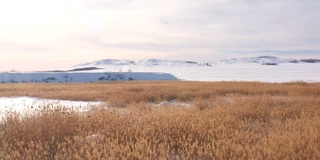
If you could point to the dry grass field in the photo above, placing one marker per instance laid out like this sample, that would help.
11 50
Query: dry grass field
225 120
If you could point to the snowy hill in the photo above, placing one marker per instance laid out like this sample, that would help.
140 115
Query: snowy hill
264 60
144 63
106 62
261 68
157 62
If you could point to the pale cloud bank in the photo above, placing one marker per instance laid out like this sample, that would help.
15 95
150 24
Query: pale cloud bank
46 34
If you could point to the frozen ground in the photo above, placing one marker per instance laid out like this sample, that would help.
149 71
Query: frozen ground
25 105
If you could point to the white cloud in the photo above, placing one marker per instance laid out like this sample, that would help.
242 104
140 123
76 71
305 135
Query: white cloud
158 29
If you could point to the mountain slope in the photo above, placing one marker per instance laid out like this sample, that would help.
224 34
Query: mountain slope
115 63
141 63
106 62
265 60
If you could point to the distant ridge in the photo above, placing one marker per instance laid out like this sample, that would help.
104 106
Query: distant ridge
76 69
144 62
263 60
272 60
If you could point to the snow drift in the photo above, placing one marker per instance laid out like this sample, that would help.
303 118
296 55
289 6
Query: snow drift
62 77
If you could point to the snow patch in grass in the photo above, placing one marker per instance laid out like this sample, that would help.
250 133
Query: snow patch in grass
172 103
25 105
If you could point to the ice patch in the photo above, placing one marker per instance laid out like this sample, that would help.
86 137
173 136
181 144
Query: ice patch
24 105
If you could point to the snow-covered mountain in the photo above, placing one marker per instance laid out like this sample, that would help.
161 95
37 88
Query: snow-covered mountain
143 63
263 60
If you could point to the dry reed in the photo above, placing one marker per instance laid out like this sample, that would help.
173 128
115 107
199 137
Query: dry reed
227 120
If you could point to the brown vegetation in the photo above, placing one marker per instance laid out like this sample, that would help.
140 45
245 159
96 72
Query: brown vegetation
227 120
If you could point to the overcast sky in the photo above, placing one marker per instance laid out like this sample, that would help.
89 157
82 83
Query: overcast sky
44 34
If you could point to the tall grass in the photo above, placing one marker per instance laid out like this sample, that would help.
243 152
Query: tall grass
129 92
227 120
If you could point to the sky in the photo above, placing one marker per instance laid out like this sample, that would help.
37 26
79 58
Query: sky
46 34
